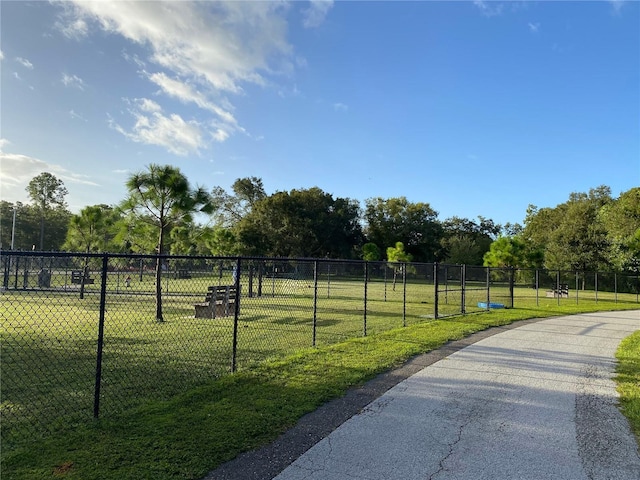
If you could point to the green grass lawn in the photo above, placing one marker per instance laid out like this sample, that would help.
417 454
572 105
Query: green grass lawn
170 409
628 379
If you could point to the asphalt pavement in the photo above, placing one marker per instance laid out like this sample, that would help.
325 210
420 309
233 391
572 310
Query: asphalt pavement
532 401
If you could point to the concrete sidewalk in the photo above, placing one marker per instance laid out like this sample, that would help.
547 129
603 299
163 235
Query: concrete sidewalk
532 402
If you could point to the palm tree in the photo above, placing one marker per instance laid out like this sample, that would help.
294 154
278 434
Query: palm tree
89 232
163 198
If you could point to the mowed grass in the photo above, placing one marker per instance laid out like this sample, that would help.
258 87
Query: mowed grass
169 408
628 379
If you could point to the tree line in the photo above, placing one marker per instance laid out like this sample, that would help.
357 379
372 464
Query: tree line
164 213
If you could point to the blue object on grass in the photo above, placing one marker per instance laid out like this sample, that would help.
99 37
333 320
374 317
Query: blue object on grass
491 305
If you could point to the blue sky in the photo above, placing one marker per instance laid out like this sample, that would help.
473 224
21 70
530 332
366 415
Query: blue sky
477 108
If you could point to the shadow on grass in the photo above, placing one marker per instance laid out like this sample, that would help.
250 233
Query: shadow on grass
187 436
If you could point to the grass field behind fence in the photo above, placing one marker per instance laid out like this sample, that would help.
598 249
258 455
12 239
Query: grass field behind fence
49 337
49 340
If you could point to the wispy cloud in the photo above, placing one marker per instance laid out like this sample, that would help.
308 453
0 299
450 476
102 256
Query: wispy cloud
489 8
201 51
153 127
340 107
24 62
76 116
133 59
73 81
617 5
534 27
17 170
187 93
71 26
314 15
222 43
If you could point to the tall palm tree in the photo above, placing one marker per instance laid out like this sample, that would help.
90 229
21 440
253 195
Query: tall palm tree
163 197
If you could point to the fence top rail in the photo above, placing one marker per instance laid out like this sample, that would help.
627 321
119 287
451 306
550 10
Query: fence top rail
147 256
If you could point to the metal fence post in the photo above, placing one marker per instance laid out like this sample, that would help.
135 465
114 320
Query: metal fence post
385 282
577 286
463 285
315 301
596 286
511 282
537 287
615 286
558 295
488 288
236 312
404 295
103 295
435 290
364 319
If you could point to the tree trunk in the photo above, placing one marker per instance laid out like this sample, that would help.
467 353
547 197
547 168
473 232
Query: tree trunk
159 317
41 246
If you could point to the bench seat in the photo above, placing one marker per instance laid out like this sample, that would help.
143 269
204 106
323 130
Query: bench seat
219 302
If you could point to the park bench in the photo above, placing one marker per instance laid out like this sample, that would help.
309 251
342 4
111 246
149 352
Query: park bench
76 277
560 290
220 301
182 274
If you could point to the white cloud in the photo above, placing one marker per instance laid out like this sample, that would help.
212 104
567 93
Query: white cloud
489 8
71 26
316 13
1 55
17 170
221 44
133 59
202 51
220 135
534 27
617 5
76 116
188 94
17 76
340 107
24 62
152 127
73 81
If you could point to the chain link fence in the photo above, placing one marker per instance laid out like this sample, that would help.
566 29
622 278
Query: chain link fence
81 335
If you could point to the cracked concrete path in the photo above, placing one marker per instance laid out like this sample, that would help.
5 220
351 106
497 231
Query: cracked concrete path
535 402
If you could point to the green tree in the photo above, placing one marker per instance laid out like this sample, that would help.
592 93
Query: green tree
230 209
370 252
621 219
47 194
571 236
24 231
301 223
222 242
162 198
506 252
465 241
398 220
397 259
91 230
27 226
579 242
